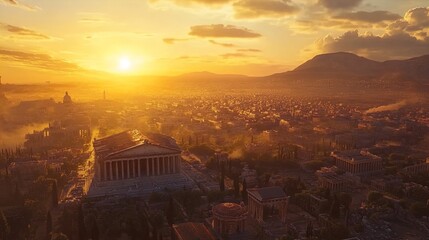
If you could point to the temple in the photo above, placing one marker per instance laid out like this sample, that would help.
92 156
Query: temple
264 202
359 163
229 218
129 155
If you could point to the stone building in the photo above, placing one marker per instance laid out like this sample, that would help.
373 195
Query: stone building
358 162
229 218
417 168
267 201
130 154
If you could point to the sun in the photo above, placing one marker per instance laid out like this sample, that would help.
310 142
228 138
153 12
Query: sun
124 64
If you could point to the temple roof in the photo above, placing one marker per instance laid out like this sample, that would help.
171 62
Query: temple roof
192 231
133 144
267 193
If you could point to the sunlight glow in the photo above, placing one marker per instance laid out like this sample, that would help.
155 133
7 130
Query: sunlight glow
124 64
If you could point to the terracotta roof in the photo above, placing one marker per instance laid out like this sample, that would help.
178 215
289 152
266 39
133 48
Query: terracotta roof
133 142
192 231
267 193
229 210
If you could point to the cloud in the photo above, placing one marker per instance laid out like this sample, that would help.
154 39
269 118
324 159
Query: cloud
386 46
313 22
222 31
404 38
368 17
340 4
264 8
235 55
22 32
248 50
228 45
192 2
416 19
18 4
38 60
174 40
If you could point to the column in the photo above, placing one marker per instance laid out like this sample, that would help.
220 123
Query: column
111 171
147 166
122 169
129 169
157 165
163 165
174 165
153 167
140 170
117 170
105 171
168 165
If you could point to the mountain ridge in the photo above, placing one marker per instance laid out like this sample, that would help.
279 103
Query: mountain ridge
344 64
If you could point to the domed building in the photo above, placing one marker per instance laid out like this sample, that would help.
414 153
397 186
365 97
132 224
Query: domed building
67 99
229 218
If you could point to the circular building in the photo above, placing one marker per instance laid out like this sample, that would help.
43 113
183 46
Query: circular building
229 218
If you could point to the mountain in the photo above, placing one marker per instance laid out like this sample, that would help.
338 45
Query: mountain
339 63
351 73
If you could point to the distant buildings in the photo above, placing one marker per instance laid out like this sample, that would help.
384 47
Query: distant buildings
272 199
329 178
73 132
29 170
417 168
358 162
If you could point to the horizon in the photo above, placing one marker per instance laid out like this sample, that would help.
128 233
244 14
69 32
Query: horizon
217 73
171 37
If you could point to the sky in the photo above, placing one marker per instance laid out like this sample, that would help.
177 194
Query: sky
65 40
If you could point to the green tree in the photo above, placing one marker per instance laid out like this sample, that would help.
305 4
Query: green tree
48 225
419 209
81 224
171 212
236 186
244 191
4 226
222 178
335 208
54 194
374 196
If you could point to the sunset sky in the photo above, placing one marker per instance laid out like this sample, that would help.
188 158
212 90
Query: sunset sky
48 40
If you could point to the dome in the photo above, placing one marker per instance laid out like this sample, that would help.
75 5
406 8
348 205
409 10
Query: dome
67 99
229 210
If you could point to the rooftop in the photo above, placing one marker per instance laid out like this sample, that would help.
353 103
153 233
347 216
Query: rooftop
192 231
267 193
355 155
132 140
229 210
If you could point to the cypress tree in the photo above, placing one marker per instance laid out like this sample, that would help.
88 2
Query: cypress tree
171 212
244 191
236 187
95 234
54 194
81 224
48 225
4 226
